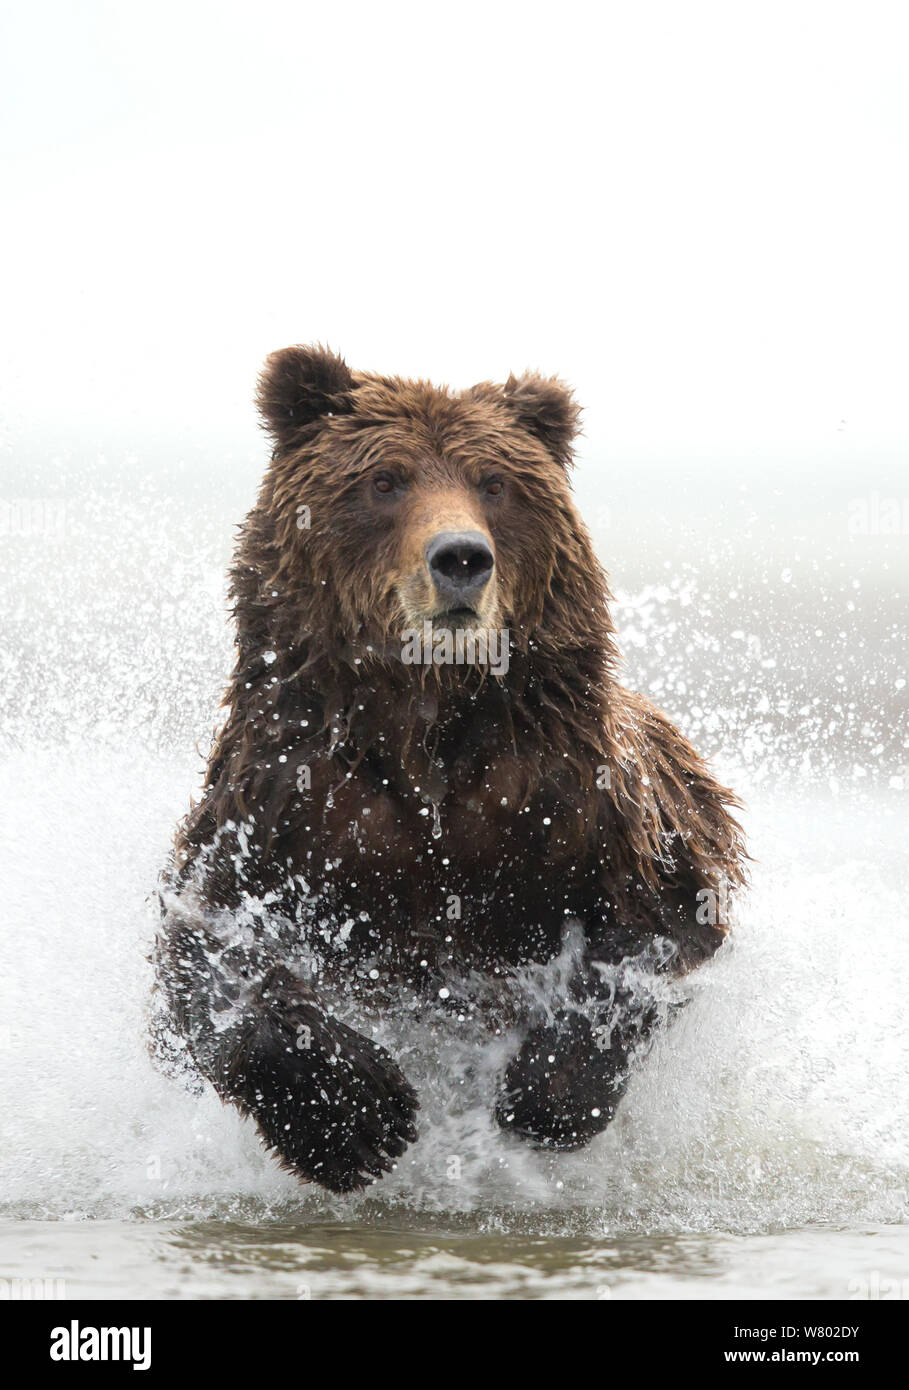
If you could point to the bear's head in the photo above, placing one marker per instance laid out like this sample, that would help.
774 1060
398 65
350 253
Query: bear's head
392 504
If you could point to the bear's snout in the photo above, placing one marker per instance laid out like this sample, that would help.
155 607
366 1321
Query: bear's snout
460 564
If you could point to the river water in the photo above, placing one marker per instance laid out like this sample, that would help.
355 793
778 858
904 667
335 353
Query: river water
763 1148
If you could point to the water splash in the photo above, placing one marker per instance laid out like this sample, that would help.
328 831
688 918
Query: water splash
779 1096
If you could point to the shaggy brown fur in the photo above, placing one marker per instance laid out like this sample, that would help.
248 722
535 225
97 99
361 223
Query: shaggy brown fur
381 791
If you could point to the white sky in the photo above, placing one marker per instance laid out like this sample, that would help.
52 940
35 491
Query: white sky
698 213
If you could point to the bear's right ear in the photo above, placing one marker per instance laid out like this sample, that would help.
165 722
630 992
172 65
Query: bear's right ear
297 385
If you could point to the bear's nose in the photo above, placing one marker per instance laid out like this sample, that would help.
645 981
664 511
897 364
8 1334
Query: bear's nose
460 563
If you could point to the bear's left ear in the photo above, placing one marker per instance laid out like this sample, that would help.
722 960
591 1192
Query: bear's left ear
297 385
546 407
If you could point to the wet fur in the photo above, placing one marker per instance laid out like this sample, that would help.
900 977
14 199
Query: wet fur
559 794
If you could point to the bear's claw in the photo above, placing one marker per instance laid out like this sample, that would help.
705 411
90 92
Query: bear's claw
337 1110
560 1089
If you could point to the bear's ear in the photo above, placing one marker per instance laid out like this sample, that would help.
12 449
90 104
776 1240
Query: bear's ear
546 407
297 385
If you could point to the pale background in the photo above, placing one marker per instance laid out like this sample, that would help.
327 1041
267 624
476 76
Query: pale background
698 215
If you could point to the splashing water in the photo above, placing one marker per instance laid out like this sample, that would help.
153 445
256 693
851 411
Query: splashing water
778 1097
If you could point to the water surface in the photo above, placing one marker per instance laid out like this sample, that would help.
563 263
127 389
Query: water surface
763 1148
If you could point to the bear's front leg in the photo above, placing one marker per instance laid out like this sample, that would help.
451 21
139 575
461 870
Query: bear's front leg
333 1105
563 1085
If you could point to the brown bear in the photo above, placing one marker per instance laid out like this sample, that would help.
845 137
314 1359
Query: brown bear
425 714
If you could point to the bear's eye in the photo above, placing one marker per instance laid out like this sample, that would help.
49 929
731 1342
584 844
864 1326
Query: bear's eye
494 486
383 482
